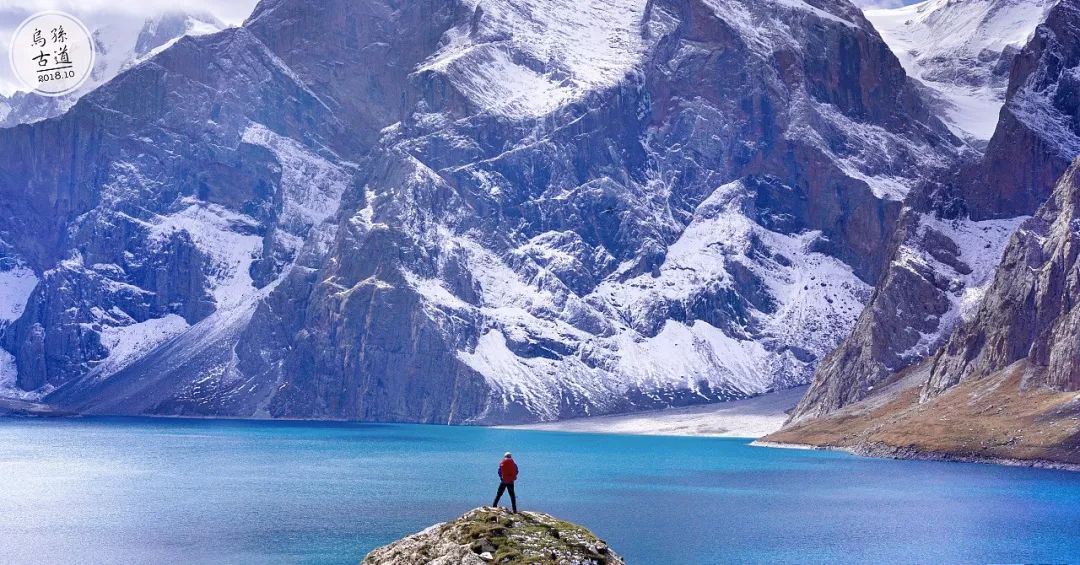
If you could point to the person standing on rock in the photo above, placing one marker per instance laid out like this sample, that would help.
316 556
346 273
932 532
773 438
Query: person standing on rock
508 472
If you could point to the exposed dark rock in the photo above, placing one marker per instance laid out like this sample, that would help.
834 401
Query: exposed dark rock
1032 310
1038 132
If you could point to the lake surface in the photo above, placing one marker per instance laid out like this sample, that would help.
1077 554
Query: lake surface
133 490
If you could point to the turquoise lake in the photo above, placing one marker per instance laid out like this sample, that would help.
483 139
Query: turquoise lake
134 490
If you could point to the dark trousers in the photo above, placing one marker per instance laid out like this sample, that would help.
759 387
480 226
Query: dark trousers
506 487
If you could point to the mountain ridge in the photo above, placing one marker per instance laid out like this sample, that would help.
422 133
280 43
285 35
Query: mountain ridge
929 287
500 229
544 274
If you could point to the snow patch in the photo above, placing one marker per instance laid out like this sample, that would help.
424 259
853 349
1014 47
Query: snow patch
16 284
751 418
770 25
874 155
433 291
980 246
8 377
312 186
688 355
129 342
527 58
806 7
227 238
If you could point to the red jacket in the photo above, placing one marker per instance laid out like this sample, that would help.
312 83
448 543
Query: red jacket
508 470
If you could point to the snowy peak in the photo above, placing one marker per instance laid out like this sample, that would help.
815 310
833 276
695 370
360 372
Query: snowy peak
526 59
962 51
161 30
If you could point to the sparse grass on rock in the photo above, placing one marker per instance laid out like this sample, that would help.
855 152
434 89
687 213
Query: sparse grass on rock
496 536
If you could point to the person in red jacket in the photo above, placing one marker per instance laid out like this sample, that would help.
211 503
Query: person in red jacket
508 472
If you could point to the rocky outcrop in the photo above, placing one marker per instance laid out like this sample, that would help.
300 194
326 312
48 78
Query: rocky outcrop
1038 133
950 239
488 535
1032 310
940 269
1003 388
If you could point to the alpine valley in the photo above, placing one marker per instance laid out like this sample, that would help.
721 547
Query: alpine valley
497 211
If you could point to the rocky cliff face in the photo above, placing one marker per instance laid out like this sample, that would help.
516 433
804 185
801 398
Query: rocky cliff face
496 536
1031 311
950 239
1038 133
130 236
453 212
940 270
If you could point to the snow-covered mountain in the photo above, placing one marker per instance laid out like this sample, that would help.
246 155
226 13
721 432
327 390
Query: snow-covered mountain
121 43
962 51
451 211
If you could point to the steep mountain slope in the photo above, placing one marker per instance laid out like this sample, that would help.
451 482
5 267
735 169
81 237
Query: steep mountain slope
1031 310
950 241
463 212
606 295
1006 383
962 52
137 229
120 44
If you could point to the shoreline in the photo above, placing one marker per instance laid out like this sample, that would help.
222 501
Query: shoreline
526 428
882 451
748 418
876 451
